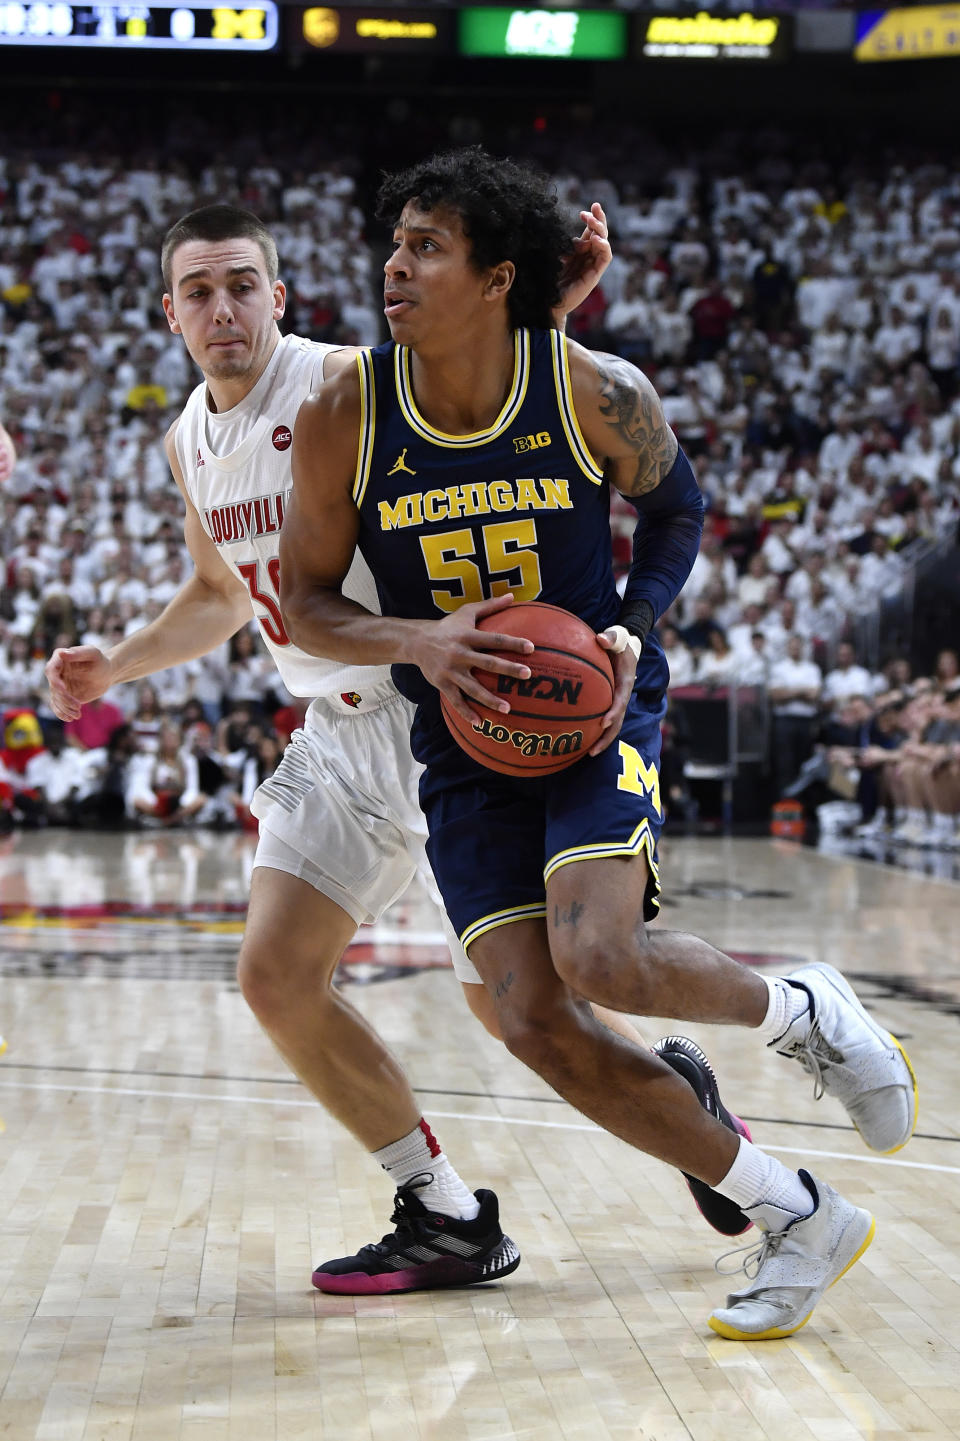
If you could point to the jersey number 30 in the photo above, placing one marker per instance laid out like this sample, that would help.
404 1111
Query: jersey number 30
272 621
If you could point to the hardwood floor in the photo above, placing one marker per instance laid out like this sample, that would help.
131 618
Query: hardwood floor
166 1185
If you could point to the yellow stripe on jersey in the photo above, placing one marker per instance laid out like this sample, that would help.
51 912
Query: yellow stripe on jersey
518 390
642 838
535 912
368 416
568 414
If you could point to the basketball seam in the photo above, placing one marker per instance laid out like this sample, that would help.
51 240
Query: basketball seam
571 655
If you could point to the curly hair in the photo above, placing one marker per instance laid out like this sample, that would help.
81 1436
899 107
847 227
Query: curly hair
508 212
218 222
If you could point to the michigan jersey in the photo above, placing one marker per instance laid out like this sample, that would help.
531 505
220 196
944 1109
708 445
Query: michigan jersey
521 506
236 468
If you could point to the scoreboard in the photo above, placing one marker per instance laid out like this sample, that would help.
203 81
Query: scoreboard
161 25
390 28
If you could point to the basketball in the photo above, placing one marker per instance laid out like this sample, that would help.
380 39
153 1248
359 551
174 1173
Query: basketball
555 715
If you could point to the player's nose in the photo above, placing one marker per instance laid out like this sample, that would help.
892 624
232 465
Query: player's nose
396 264
223 310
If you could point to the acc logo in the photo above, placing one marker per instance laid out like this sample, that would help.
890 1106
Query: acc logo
350 697
544 687
282 438
523 443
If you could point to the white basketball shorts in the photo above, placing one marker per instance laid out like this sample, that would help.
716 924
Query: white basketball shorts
341 812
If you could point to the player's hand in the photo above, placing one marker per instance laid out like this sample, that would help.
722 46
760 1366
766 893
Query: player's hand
449 650
591 256
624 662
76 674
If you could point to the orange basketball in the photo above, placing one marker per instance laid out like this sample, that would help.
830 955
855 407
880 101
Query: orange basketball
555 716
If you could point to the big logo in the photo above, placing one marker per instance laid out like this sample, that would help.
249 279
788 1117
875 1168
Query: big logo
543 687
531 743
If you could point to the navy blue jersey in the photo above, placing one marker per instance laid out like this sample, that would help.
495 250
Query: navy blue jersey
521 506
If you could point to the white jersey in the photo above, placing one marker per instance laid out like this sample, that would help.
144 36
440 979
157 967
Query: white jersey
236 468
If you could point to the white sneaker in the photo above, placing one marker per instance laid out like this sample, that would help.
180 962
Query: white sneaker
794 1267
874 829
852 1058
911 833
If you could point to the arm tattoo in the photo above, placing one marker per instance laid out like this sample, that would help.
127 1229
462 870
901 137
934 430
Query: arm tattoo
636 414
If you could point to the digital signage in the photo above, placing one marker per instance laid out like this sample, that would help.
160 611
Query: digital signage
928 32
713 37
375 29
549 34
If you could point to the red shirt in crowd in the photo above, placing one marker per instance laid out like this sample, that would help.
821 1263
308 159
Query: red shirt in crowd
98 720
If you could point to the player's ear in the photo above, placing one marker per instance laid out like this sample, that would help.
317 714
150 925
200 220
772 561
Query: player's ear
501 279
172 320
279 299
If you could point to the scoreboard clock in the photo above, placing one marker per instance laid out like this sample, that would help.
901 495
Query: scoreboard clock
161 25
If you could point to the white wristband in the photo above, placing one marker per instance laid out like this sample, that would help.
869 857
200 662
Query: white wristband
622 639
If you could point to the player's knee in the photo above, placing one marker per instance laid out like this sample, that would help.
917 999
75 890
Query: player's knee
274 981
593 964
483 1006
544 1036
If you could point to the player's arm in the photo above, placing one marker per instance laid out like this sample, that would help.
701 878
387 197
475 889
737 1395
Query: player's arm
317 545
207 609
626 431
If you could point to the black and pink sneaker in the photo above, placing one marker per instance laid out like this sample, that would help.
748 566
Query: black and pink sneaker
688 1061
426 1251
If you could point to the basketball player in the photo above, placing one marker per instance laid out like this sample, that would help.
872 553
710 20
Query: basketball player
341 836
549 881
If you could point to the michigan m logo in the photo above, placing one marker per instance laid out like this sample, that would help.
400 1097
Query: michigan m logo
237 24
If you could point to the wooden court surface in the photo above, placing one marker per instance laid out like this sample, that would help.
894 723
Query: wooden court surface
165 1186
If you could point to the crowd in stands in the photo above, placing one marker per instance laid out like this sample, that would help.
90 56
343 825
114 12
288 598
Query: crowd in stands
801 321
886 764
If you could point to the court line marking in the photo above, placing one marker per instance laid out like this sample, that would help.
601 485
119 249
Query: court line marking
587 1126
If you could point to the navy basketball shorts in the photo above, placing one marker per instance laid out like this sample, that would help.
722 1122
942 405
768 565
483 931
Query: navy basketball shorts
495 840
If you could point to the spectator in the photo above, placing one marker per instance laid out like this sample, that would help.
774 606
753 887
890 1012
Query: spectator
164 788
98 720
59 778
847 679
717 663
795 686
147 719
21 675
679 656
249 673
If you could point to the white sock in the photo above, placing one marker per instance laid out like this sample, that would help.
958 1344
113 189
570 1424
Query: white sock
786 1003
765 1188
419 1155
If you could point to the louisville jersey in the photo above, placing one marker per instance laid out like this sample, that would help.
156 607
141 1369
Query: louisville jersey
521 506
236 468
